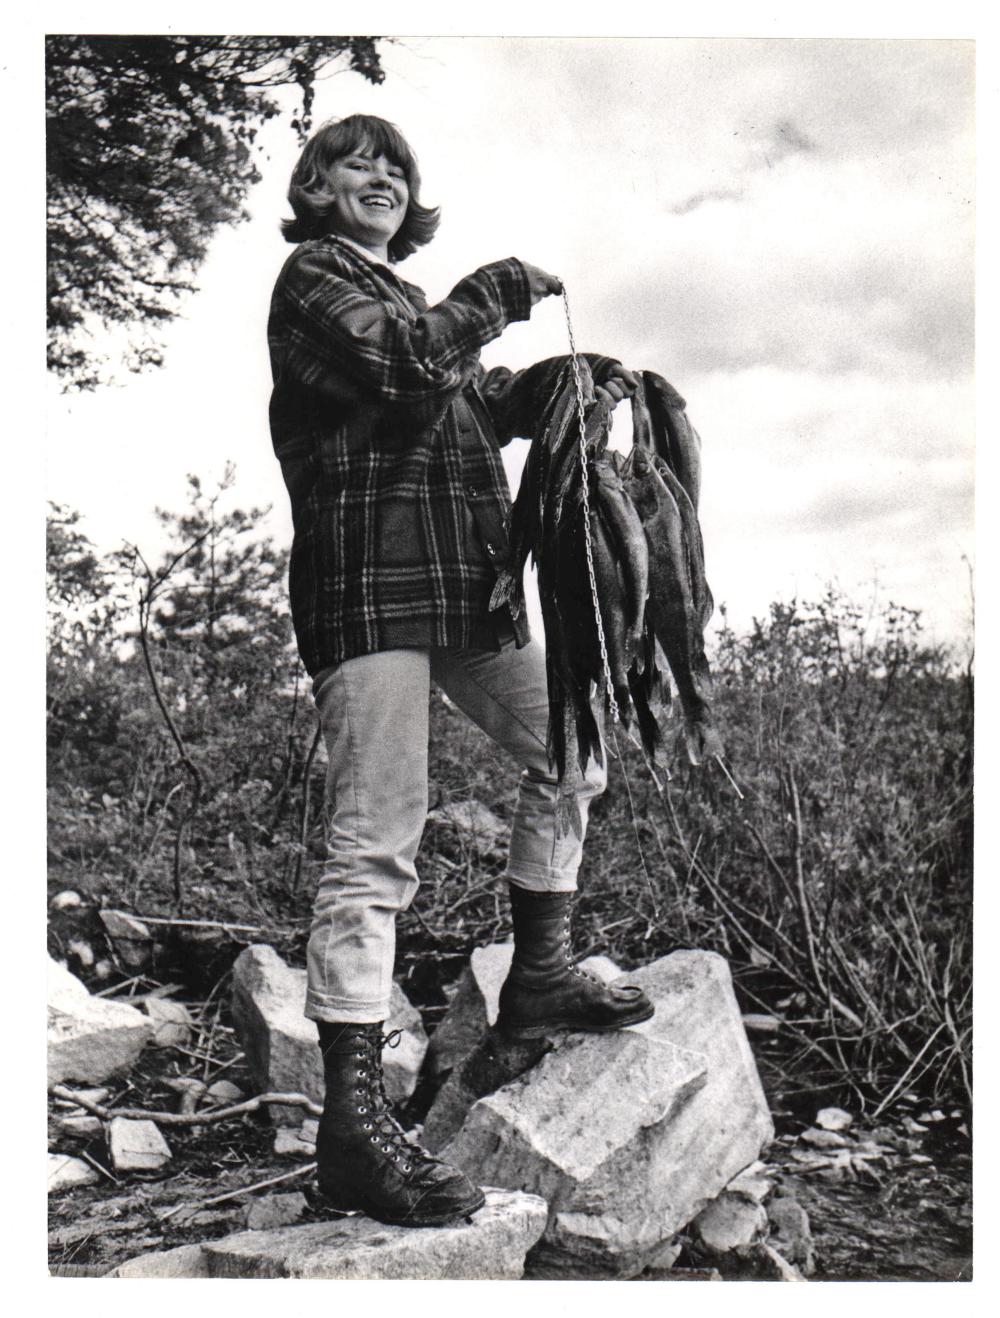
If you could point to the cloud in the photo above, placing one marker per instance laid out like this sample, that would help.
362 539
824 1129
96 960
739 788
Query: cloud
700 198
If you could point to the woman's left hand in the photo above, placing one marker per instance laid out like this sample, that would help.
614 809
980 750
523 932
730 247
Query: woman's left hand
616 386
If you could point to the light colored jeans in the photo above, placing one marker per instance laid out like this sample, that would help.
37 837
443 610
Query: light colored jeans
374 712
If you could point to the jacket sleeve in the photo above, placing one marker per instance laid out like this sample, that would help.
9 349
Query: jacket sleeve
518 401
334 326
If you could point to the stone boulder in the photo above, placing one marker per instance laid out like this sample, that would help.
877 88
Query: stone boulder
89 1039
473 1009
268 1000
491 1246
628 1135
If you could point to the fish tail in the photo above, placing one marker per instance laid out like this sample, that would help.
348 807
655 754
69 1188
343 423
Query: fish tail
507 591
702 741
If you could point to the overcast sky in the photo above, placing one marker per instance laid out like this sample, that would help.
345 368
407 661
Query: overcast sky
782 228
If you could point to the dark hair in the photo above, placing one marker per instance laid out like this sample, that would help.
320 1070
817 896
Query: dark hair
336 139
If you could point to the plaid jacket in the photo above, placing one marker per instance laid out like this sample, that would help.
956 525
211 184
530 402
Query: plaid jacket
388 431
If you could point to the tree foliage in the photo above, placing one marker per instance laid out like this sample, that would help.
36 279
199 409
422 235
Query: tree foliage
150 148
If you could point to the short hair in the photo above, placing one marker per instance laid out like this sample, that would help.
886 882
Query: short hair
334 140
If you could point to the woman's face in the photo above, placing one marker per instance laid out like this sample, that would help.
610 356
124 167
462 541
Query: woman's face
370 199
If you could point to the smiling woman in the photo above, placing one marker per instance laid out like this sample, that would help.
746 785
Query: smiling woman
358 177
388 431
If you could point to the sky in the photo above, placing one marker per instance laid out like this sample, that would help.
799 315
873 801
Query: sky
782 228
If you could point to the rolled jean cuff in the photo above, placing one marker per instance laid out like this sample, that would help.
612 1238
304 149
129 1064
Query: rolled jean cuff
322 1008
540 878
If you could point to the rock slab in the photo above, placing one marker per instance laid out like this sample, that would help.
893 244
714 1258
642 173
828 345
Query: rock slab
580 1129
491 1247
89 1039
280 1044
630 1135
136 1146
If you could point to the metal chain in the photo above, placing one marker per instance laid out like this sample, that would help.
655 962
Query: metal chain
608 683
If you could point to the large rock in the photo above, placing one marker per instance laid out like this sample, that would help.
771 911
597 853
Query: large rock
629 1135
490 1247
473 1009
281 1045
89 1038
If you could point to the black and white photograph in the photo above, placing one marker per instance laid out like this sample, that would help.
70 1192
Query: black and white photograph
510 575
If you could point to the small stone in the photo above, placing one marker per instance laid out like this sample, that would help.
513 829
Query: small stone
823 1139
289 1143
65 1173
753 1183
790 1233
119 925
66 900
171 1022
761 1023
83 952
223 1093
913 1127
274 1210
833 1118
775 1264
82 1127
104 969
729 1223
190 1090
136 1146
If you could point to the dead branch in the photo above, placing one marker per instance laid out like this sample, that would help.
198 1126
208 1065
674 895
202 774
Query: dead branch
188 1119
246 1189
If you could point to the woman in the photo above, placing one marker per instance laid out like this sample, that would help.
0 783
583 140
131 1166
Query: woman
388 431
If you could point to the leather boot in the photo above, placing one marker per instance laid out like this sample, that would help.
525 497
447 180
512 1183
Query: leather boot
545 990
365 1162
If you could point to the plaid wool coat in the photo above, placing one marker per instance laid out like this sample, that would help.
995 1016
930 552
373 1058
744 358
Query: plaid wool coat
388 431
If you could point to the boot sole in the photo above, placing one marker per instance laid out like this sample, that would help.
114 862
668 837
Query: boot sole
550 1027
342 1207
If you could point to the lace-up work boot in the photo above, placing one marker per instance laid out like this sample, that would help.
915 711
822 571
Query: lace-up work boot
545 990
365 1162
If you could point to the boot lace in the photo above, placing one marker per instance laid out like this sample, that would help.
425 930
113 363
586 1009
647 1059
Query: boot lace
382 1127
568 952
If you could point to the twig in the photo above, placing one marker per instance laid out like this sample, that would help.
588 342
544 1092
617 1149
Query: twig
97 1167
193 1118
195 924
246 1189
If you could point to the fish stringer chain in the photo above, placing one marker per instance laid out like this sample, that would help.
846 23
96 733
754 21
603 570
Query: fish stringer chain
608 683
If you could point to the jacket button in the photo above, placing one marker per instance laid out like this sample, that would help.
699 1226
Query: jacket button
490 549
473 491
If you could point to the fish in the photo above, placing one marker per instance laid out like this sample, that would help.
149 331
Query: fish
675 439
527 514
671 606
626 531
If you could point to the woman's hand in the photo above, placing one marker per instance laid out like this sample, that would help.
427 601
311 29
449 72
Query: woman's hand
617 385
540 284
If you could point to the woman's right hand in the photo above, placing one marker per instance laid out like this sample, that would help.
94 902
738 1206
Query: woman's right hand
540 284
